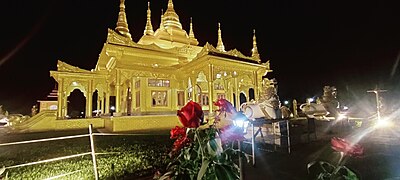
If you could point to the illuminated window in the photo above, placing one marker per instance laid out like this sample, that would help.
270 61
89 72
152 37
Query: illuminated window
159 98
137 84
203 98
181 98
218 86
158 83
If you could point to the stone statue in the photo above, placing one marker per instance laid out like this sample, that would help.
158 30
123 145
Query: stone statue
326 105
34 110
268 105
1 110
295 108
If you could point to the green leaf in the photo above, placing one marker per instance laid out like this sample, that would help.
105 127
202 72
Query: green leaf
212 147
203 169
225 173
320 169
347 173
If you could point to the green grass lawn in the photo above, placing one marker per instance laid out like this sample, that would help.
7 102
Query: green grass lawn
118 156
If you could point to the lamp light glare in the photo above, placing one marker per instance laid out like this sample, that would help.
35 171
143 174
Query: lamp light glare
382 123
286 102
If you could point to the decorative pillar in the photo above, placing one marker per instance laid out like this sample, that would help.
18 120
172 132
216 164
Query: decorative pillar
89 99
107 105
102 105
210 87
98 104
65 105
256 84
237 94
133 96
60 98
194 80
118 93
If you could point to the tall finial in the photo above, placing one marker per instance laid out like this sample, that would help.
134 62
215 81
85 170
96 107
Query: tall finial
162 19
220 44
149 28
191 33
122 24
171 19
254 51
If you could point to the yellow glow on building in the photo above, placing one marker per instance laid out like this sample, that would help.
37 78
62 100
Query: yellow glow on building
161 72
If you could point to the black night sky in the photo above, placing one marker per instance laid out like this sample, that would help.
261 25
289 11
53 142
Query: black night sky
353 45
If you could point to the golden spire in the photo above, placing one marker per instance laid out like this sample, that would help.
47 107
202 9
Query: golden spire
171 19
122 24
162 19
149 28
191 33
220 44
254 51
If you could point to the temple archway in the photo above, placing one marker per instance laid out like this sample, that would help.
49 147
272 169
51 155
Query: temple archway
234 99
95 104
76 104
129 101
242 98
251 94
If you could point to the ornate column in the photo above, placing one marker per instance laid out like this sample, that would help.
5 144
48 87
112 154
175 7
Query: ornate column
98 104
102 104
256 84
60 98
236 89
118 92
89 99
193 81
65 105
107 104
210 87
133 96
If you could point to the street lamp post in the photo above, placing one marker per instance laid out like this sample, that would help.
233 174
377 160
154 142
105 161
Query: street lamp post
378 104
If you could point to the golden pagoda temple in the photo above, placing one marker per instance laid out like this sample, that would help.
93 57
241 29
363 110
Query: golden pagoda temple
161 72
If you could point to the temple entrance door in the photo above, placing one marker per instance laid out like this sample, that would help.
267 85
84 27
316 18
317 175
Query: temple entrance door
242 98
129 101
234 99
251 94
76 104
95 111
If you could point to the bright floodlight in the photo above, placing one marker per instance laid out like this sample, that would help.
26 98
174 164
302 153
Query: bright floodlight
310 99
342 117
241 122
286 102
112 108
384 122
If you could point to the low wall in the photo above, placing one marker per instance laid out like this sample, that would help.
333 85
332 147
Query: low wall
69 124
141 123
47 122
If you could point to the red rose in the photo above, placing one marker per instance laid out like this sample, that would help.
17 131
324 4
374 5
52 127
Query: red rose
341 145
178 132
231 133
191 115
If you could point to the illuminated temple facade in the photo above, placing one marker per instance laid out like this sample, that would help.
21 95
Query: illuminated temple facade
161 72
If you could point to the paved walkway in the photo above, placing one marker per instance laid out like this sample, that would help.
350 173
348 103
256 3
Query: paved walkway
381 159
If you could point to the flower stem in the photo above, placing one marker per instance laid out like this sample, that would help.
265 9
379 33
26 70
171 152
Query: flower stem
341 158
198 139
